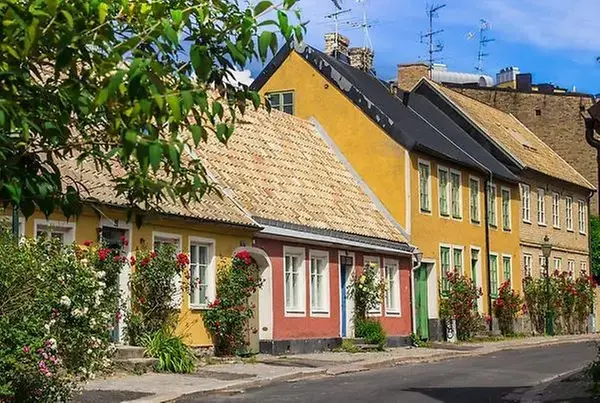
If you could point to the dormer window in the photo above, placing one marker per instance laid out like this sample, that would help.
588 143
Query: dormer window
282 101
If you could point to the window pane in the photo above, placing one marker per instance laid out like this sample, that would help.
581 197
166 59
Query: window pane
455 193
289 109
288 98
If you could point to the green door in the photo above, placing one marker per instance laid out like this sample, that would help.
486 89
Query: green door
421 308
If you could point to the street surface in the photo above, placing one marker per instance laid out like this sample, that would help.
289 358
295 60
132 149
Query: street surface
502 376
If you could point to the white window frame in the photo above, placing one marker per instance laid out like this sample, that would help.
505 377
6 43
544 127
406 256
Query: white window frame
582 216
395 265
475 220
167 236
282 104
459 201
494 293
571 267
300 310
441 265
326 309
527 265
428 190
542 263
556 210
211 270
558 264
541 206
67 228
526 203
492 205
446 191
377 260
569 213
583 268
504 189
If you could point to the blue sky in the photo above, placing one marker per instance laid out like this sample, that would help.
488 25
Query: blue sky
555 40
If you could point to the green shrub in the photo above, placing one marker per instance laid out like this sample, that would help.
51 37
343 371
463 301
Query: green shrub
57 307
372 331
172 353
348 346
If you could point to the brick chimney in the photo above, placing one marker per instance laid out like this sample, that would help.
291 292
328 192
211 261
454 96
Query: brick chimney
361 58
409 74
335 42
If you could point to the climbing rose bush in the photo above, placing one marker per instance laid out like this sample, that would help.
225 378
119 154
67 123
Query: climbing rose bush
366 289
57 309
506 308
228 316
459 302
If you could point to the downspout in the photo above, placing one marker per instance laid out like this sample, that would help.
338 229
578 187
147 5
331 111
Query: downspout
590 125
486 192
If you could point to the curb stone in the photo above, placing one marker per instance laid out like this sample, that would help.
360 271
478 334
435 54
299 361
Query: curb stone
533 394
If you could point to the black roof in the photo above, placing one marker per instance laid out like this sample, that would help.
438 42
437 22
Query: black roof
418 125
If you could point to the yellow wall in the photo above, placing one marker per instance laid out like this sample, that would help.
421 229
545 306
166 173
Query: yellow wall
354 133
380 161
226 238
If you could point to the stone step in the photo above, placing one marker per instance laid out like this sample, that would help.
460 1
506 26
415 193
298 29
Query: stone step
129 352
367 347
136 365
356 340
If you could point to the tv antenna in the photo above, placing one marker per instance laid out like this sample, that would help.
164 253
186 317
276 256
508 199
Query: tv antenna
365 25
484 26
335 16
432 12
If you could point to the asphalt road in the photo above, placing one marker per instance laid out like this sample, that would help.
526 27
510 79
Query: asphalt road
502 376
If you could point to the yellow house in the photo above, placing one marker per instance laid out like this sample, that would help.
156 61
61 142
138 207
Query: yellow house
426 171
208 231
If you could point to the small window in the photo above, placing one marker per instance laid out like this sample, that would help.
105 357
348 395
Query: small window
555 210
506 224
455 194
457 255
569 213
63 232
538 112
527 272
571 267
543 267
425 186
541 206
392 288
474 200
282 101
294 280
526 203
445 267
507 267
375 262
583 268
319 282
494 276
558 264
492 219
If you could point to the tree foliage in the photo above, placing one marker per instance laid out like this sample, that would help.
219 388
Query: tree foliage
131 87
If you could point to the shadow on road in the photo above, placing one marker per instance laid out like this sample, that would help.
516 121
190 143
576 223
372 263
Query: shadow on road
469 394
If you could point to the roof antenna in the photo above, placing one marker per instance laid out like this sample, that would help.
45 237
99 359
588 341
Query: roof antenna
429 36
484 26
365 25
335 16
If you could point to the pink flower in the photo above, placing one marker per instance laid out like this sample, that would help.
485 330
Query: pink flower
103 254
124 240
26 349
132 260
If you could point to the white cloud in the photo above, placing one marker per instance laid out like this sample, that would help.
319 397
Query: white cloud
240 77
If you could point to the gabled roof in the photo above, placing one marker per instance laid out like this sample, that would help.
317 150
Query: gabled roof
281 171
512 137
211 208
402 122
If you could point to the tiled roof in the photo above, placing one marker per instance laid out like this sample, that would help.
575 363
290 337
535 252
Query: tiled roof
510 134
211 208
277 167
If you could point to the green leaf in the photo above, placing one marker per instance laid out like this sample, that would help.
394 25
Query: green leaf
177 16
188 99
222 132
131 138
173 102
261 7
51 6
197 134
238 56
174 156
102 12
284 23
155 154
68 18
264 41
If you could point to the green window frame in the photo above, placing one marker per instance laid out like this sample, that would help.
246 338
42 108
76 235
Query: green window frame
445 268
507 267
474 200
283 101
455 194
492 206
424 181
506 224
457 255
443 191
494 276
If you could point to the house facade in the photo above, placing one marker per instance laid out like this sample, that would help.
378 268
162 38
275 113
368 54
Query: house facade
429 175
554 196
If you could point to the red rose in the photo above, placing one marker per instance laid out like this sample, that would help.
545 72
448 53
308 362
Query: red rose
117 258
124 240
182 259
87 243
244 256
103 254
217 323
153 255
145 261
132 260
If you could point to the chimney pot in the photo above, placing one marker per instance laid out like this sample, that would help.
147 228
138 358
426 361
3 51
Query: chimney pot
361 58
336 43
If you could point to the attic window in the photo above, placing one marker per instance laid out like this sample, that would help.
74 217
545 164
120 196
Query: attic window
538 112
282 101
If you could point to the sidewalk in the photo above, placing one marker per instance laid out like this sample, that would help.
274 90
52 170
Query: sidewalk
154 387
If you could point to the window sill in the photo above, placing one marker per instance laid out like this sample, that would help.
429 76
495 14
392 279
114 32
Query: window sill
542 224
392 313
570 230
454 217
320 314
582 233
295 313
507 229
527 222
425 211
477 222
555 227
199 308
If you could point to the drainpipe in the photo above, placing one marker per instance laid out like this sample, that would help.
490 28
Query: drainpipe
590 126
488 184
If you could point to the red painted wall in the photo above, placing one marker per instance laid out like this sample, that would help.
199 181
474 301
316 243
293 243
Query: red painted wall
309 327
